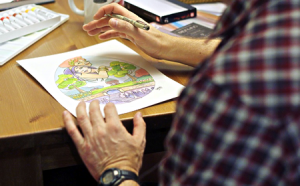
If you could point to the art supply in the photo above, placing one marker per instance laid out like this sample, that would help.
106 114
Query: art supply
6 4
24 20
102 77
138 24
161 11
11 48
194 27
199 1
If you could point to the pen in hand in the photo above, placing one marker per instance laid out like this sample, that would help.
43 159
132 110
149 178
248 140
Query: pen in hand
138 24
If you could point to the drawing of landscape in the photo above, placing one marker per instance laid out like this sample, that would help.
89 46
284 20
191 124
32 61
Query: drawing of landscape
86 78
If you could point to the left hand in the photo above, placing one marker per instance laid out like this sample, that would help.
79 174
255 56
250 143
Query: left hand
106 143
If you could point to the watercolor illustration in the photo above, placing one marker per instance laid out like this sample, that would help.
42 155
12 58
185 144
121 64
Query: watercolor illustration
108 80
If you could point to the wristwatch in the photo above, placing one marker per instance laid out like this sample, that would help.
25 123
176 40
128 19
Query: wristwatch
114 176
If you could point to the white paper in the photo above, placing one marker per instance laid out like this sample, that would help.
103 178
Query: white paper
5 1
158 7
102 80
213 8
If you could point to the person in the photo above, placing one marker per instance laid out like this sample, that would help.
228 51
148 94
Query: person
87 73
237 121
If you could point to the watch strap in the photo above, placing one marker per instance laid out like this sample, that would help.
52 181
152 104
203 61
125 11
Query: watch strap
119 177
128 175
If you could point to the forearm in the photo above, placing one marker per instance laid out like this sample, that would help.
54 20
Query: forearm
129 183
187 51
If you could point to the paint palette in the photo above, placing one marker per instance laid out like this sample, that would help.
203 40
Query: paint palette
24 20
13 47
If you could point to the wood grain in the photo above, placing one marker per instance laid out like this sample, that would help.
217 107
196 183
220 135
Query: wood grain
27 108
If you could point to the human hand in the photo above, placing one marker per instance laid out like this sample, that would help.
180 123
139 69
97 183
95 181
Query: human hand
105 143
150 41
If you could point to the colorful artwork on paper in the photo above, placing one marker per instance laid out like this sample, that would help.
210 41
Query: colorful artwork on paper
86 78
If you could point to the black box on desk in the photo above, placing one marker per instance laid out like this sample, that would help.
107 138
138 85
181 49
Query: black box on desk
161 11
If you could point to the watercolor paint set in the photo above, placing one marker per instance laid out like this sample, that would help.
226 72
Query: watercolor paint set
24 20
21 40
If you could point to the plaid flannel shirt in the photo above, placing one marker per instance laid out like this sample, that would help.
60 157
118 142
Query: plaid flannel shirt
237 121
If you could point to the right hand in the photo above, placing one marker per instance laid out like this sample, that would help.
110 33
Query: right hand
150 41
106 143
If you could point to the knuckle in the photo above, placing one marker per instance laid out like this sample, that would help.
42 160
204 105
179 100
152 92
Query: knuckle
111 34
72 131
86 147
81 118
114 129
100 133
93 110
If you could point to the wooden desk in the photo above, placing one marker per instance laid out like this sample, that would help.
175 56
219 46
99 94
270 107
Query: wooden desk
32 135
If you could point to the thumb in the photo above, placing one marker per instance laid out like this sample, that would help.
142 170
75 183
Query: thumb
139 127
122 26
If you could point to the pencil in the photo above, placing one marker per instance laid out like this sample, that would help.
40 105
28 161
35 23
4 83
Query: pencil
138 24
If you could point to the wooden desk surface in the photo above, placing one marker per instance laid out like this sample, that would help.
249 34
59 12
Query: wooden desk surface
31 126
26 108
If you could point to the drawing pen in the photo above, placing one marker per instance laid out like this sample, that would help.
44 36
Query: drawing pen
138 24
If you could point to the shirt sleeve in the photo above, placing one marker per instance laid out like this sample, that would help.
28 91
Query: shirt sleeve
237 120
217 140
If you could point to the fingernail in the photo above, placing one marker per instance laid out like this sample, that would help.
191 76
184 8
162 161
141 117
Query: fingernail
139 114
81 103
114 22
65 112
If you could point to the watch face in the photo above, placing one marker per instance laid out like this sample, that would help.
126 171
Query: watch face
108 177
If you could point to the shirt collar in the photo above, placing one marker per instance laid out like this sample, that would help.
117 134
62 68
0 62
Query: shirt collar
234 17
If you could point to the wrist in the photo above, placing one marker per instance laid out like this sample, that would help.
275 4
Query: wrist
120 165
191 51
129 183
116 177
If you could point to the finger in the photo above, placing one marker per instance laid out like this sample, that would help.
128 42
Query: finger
105 29
139 127
111 114
95 114
122 26
109 35
98 31
95 32
72 129
127 28
113 8
83 119
96 24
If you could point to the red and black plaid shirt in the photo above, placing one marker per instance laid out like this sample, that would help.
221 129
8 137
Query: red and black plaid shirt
238 119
